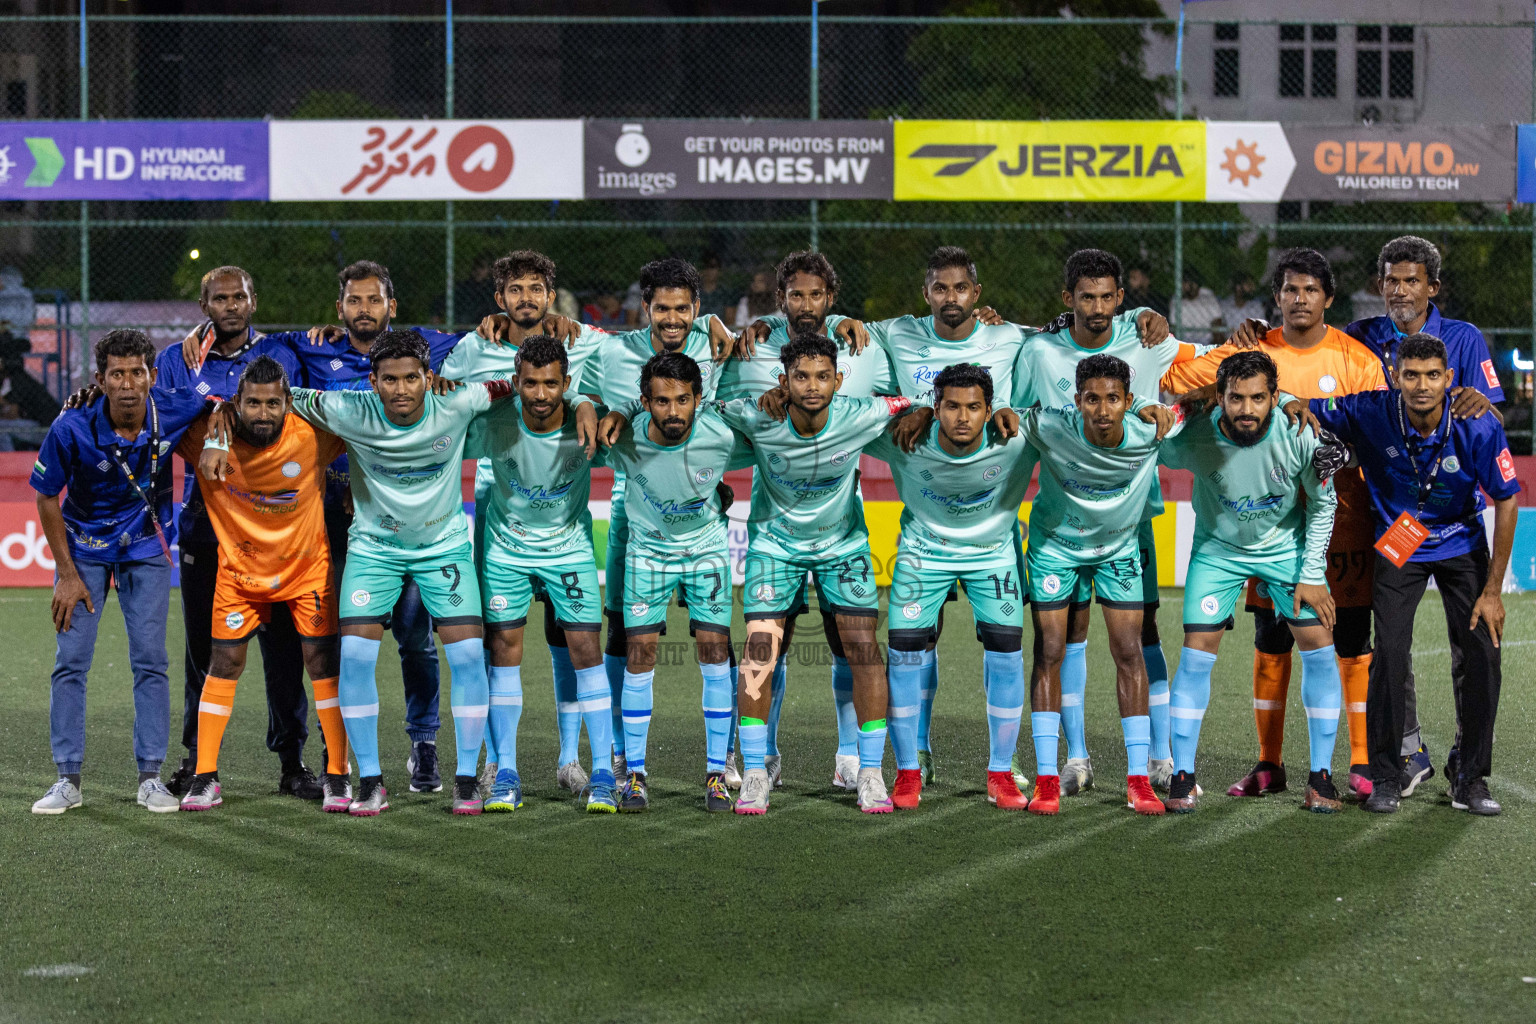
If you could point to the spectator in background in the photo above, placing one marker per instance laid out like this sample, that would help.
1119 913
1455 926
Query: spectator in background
566 304
473 297
1139 293
26 407
634 308
1365 301
760 299
1244 304
713 297
604 311
1200 312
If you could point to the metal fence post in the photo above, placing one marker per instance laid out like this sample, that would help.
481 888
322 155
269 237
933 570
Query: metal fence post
448 204
85 211
815 115
1178 204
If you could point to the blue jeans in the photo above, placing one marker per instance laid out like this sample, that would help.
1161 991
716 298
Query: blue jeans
144 593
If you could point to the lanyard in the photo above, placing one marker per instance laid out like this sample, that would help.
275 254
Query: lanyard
154 471
1411 443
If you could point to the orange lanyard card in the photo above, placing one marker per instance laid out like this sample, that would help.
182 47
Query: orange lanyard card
1402 539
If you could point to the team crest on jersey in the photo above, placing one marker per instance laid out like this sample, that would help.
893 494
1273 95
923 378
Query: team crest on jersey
442 443
1450 463
840 458
704 475
765 592
497 603
291 469
1051 584
1277 474
638 609
1208 604
234 620
991 472
573 463
989 345
1133 373
1327 384
165 446
361 597
912 610
845 368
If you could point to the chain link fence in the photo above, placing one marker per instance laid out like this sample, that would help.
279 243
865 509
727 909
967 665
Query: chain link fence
138 263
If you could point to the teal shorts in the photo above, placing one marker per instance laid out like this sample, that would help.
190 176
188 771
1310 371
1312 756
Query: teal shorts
845 585
509 583
1146 545
650 580
1215 579
371 584
1055 582
918 593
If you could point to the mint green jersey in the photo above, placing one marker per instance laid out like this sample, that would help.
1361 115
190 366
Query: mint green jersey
536 507
917 353
671 499
1091 499
1249 501
865 374
959 512
613 374
805 496
405 480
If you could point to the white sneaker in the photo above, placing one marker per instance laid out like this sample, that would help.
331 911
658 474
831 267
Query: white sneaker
755 788
61 796
732 771
773 764
487 780
873 798
1160 771
571 777
155 798
845 773
1076 776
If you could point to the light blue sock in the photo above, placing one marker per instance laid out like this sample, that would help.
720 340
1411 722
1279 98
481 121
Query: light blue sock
1002 673
1137 730
872 744
778 684
717 714
613 669
1191 695
842 699
1321 694
1074 682
470 696
595 702
730 743
358 691
567 713
638 696
754 742
1157 699
1045 726
506 712
930 687
904 677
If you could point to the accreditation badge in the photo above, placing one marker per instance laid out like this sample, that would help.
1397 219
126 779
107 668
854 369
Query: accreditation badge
1402 539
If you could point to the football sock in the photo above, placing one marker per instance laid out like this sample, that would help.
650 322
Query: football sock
595 701
613 668
637 717
754 742
1355 676
1157 699
1003 675
470 698
1074 683
780 679
905 674
930 688
730 741
213 711
842 699
872 744
1320 695
1190 697
506 713
717 713
1271 684
328 710
1137 730
567 712
358 692
1046 728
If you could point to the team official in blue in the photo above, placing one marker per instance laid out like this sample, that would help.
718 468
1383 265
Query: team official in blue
113 526
1427 472
226 345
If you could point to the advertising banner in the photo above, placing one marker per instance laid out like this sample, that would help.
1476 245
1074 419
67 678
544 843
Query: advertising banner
369 160
25 559
1085 161
1246 162
738 159
133 160
1411 163
1525 170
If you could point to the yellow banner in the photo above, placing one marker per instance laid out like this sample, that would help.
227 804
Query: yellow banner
1093 161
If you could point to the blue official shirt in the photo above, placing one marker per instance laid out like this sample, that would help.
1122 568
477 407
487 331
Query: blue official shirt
217 378
1473 456
1466 350
338 366
105 514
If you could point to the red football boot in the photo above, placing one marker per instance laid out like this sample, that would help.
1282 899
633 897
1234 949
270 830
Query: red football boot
909 788
1003 792
1139 796
1047 796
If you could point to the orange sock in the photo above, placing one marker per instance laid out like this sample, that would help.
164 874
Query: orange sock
1271 682
213 711
328 708
1355 674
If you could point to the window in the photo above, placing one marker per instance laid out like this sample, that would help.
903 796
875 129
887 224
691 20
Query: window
1384 60
1309 61
1224 63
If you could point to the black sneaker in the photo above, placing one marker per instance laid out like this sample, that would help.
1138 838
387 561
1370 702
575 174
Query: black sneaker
1385 797
299 781
422 764
181 779
1452 769
717 798
1322 797
1472 795
1182 793
633 799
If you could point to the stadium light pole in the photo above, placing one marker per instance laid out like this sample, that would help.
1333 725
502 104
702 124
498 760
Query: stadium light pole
816 115
448 205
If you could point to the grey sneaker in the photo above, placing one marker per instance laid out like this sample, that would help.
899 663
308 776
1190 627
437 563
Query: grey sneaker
1160 772
845 771
732 773
620 766
755 788
62 796
488 776
156 798
773 764
873 797
571 777
1076 776
204 794
371 798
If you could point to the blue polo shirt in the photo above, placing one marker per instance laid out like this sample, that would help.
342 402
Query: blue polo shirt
217 377
103 512
338 366
1473 456
1466 350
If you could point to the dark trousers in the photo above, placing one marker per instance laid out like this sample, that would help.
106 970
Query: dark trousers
282 658
1396 598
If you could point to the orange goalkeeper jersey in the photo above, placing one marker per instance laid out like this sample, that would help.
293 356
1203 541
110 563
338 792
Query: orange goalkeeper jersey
269 512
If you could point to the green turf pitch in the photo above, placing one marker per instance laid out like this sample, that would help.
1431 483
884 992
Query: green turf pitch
266 909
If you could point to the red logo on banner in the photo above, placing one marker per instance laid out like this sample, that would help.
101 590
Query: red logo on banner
480 158
25 560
